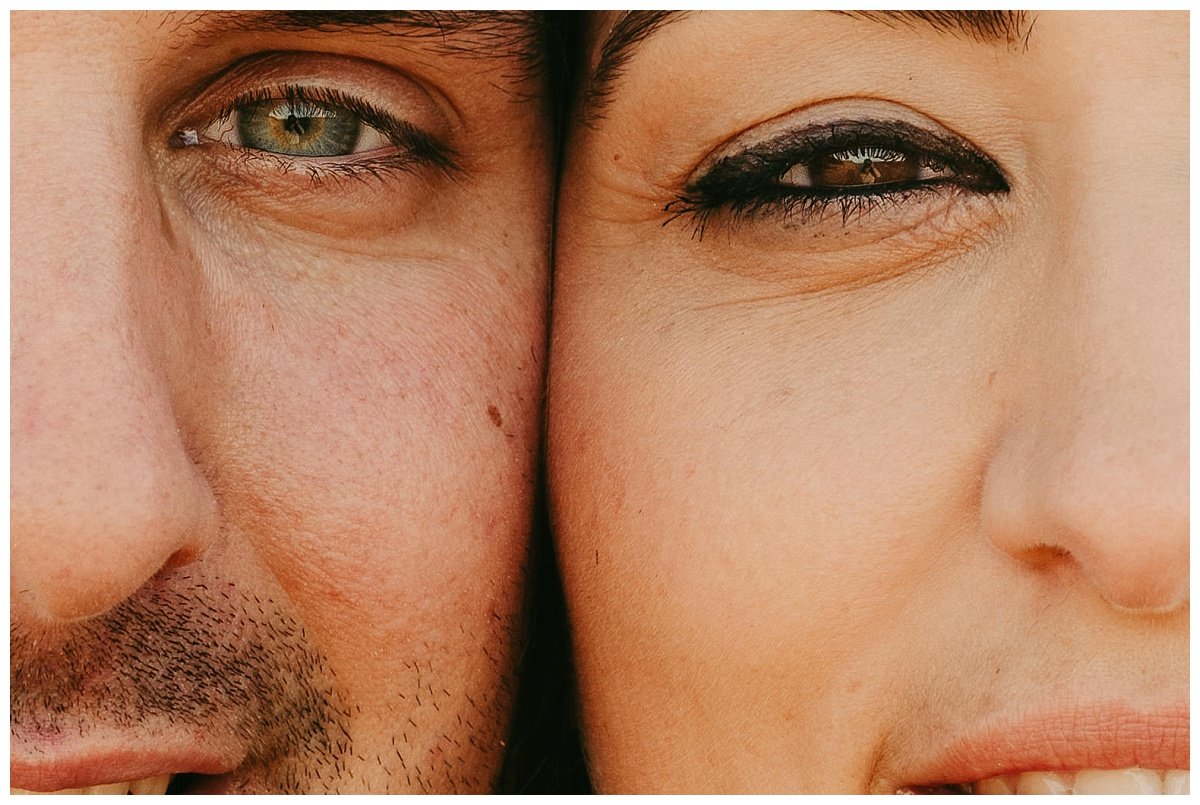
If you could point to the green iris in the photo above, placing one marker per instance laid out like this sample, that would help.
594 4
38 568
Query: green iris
298 127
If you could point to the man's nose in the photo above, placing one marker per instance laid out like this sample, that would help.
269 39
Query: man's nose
1090 469
104 490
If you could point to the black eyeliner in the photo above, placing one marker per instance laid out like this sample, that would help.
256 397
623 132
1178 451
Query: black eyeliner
748 182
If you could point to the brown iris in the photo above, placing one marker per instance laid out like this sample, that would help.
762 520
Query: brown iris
864 166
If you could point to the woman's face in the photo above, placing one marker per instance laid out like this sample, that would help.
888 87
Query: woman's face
868 431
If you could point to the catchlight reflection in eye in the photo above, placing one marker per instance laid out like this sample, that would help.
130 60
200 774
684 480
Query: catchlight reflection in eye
859 159
861 166
299 127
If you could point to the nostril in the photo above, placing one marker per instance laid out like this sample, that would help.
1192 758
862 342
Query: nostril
71 564
181 558
1150 580
1073 512
1042 555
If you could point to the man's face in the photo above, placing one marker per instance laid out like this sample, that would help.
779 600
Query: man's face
278 313
868 402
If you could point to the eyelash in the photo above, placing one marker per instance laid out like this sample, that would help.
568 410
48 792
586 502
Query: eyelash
414 148
746 186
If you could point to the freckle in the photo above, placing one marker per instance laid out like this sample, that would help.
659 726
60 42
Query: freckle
494 414
991 377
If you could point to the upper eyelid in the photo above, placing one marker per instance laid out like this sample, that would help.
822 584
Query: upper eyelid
819 115
415 140
349 76
815 139
319 95
384 97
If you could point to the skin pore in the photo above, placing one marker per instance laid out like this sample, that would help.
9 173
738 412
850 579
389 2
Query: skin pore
874 476
278 301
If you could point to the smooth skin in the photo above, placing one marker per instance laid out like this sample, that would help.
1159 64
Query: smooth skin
829 493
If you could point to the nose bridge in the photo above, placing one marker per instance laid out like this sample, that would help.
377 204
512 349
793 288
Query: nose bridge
75 175
103 491
1099 438
1123 287
1116 334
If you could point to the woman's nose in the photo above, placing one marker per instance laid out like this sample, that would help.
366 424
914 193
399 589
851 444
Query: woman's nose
1091 463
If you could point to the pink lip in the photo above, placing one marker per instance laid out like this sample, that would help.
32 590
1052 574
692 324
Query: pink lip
97 761
1098 736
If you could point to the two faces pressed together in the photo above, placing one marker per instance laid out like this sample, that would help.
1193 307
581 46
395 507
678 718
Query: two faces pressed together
866 397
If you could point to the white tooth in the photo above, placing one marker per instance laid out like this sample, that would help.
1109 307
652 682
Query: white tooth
151 785
108 788
1118 781
1043 782
1176 781
994 785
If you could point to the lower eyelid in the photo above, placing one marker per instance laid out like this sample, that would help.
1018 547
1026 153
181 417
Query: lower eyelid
858 206
818 259
225 129
927 221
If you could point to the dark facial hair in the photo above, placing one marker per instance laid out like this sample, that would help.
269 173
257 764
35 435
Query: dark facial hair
198 653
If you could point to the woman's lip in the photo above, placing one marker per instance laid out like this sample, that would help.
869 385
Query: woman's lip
96 761
1097 736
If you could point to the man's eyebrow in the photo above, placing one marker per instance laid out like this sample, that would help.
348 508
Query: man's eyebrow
635 27
518 36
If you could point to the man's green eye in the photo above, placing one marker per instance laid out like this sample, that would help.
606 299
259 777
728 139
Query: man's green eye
298 127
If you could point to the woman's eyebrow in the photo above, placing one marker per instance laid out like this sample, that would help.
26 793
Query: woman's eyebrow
630 30
985 27
518 36
635 27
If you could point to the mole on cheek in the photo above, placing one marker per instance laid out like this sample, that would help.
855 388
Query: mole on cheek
494 414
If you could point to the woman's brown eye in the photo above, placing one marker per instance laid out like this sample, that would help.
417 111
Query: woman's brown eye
859 167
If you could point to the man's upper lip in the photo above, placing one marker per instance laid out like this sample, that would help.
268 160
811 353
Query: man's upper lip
1094 736
100 759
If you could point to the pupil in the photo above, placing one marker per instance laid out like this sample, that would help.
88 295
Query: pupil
864 166
297 125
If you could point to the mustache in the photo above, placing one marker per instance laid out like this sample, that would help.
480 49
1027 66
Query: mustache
191 650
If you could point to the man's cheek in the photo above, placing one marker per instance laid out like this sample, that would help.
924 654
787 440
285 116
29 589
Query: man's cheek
382 448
